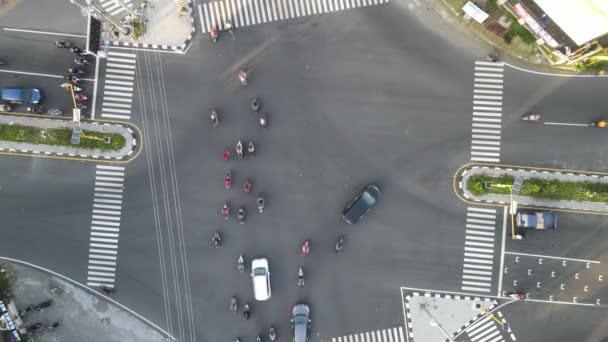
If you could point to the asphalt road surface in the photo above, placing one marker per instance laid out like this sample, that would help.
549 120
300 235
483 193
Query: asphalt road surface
350 102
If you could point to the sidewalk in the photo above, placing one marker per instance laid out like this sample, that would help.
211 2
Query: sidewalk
84 313
166 28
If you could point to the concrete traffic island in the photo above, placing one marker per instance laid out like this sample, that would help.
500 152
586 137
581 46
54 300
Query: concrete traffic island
122 138
590 186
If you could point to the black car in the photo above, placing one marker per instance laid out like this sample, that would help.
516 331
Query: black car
364 201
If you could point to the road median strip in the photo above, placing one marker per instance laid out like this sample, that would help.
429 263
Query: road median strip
566 190
52 137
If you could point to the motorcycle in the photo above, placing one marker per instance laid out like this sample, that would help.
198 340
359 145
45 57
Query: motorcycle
300 277
239 149
81 106
106 290
214 33
272 334
69 85
247 187
233 304
305 248
55 111
263 119
76 72
241 215
229 26
217 239
243 77
55 325
260 201
62 44
226 210
34 328
43 305
251 149
240 263
600 124
228 180
531 117
516 295
339 244
246 311
255 104
5 108
80 97
27 309
71 78
492 58
226 154
258 339
81 61
215 117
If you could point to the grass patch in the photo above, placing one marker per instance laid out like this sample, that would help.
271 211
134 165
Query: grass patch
591 67
541 188
58 137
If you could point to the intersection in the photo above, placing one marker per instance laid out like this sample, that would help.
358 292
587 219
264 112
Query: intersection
350 102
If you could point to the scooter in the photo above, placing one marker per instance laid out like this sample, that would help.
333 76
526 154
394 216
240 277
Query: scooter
339 244
234 306
241 215
80 97
228 180
226 210
240 263
272 335
214 33
215 117
243 77
260 201
305 248
239 149
262 119
62 44
300 277
516 295
255 104
531 117
251 149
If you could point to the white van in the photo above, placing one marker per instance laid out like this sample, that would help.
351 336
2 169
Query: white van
260 275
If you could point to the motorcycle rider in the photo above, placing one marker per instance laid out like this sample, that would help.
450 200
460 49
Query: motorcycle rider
240 263
300 277
251 148
339 244
239 149
233 304
243 76
260 201
255 104
228 180
246 311
305 248
226 210
217 239
272 334
214 116
242 215
247 187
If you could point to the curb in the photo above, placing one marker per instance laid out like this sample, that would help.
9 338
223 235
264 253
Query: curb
158 47
458 185
409 329
130 156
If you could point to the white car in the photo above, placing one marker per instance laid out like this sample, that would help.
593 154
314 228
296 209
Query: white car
260 275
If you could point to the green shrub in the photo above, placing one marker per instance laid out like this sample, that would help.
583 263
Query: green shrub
540 188
58 137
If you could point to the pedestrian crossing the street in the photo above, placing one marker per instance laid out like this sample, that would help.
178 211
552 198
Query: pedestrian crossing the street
485 330
105 225
251 12
386 335
479 249
487 111
118 86
117 8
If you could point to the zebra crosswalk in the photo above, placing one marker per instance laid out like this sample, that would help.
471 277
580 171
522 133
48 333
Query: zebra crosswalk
105 225
251 12
485 330
479 249
386 335
487 111
116 8
118 86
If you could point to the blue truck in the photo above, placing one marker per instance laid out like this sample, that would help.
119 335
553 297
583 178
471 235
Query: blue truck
536 220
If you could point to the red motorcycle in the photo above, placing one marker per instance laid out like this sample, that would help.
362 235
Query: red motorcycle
305 248
228 180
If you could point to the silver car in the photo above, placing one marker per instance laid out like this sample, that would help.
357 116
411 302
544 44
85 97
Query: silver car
300 322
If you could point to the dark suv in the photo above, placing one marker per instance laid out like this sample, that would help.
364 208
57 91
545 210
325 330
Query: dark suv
364 201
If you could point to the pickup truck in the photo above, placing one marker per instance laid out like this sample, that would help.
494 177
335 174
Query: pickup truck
536 220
